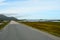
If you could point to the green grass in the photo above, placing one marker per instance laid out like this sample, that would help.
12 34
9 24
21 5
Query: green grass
3 24
50 27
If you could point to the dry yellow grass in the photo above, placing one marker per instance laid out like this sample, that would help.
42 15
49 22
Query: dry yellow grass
50 27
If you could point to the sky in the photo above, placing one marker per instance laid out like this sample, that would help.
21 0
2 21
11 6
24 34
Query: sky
31 9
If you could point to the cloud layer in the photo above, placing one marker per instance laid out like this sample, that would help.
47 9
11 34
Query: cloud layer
30 7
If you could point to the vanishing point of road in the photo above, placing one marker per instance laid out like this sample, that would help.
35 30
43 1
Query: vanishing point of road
18 31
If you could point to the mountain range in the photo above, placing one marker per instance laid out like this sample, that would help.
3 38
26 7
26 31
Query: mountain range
3 17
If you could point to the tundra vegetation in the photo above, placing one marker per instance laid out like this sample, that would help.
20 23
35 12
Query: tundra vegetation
50 27
3 23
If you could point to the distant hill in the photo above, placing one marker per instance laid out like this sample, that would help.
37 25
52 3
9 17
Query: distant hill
12 18
40 20
3 17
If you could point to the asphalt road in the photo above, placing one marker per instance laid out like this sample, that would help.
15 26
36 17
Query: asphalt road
16 31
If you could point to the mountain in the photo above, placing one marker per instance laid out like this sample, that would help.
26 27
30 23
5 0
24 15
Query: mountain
12 18
3 17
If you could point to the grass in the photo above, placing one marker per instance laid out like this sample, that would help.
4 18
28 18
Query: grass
3 24
50 27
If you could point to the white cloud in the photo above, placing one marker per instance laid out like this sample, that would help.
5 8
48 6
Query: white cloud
31 3
31 6
28 9
2 2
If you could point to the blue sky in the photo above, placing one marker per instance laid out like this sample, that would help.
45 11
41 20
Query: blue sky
31 9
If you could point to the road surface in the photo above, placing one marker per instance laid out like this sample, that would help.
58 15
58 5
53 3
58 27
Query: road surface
16 31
